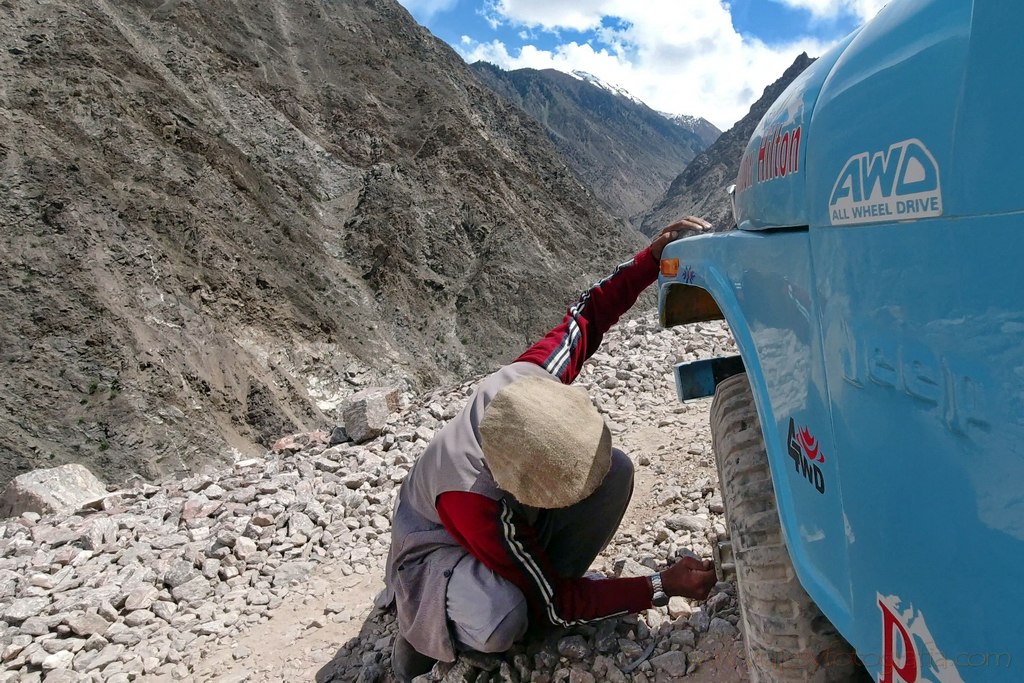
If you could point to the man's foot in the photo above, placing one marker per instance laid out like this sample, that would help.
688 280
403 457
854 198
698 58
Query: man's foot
406 662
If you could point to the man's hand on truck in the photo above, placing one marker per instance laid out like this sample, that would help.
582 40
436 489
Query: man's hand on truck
690 224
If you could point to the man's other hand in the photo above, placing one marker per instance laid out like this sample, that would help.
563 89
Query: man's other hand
690 225
690 578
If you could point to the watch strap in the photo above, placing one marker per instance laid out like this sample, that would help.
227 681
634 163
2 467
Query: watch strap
659 597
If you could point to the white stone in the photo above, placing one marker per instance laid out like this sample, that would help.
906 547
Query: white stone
59 660
679 607
50 491
22 609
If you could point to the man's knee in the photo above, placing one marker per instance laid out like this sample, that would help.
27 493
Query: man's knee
620 474
488 613
510 629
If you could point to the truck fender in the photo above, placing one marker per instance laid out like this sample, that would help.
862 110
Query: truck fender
711 298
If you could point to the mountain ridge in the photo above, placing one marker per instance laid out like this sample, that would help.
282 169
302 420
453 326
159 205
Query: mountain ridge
627 152
223 219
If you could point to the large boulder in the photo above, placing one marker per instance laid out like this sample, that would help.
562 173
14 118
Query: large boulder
51 491
366 413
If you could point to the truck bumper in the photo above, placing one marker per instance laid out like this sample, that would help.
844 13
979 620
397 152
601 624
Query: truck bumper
698 378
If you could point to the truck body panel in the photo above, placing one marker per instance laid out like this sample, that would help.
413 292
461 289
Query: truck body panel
879 313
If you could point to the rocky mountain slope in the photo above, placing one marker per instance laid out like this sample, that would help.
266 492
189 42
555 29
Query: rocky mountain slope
222 217
624 150
266 570
700 189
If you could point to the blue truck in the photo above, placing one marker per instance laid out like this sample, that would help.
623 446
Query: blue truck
870 436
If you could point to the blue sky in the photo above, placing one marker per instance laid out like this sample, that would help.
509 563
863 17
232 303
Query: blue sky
710 58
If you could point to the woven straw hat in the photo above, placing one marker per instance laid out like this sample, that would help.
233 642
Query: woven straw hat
545 443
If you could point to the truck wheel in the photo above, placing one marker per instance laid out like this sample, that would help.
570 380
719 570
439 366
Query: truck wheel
787 637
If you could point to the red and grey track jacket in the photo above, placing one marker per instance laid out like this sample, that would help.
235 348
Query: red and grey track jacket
449 505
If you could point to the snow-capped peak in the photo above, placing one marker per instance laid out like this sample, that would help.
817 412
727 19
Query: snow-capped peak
604 85
682 119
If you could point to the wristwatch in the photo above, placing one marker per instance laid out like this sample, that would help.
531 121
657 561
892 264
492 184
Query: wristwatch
660 597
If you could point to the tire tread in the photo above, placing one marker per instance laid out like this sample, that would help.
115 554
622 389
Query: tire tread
788 639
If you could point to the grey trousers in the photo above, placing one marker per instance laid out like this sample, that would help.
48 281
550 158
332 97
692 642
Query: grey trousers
489 613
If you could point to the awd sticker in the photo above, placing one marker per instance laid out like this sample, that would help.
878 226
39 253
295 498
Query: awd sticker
806 453
898 184
909 653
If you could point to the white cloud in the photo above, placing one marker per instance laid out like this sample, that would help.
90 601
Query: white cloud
829 9
678 57
581 15
423 10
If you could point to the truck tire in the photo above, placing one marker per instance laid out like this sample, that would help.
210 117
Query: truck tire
787 637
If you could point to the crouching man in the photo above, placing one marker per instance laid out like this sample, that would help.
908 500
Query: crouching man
512 500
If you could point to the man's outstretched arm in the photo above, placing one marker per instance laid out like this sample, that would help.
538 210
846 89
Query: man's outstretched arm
564 349
507 545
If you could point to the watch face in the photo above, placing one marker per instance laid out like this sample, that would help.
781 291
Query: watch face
660 599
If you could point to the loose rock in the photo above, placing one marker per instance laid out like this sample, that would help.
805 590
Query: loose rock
51 491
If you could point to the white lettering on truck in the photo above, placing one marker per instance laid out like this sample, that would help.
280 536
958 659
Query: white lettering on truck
898 184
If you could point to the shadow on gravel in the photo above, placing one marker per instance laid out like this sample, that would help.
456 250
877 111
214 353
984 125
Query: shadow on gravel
608 651
365 658
698 642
